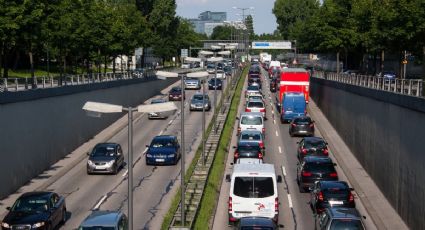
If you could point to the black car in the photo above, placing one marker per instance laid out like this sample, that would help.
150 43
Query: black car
315 168
262 223
302 125
312 146
164 149
175 94
36 210
248 149
105 158
215 83
273 85
325 194
339 218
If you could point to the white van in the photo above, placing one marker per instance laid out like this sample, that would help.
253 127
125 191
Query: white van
253 192
251 121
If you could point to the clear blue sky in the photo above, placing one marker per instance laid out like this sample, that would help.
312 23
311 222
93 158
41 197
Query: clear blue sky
264 19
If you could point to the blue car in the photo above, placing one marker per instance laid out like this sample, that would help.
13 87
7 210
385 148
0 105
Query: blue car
163 150
293 105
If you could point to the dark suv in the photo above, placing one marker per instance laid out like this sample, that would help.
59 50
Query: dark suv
315 168
247 149
339 218
327 194
302 125
309 146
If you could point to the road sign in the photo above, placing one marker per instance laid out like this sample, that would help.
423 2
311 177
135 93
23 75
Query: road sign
184 52
274 45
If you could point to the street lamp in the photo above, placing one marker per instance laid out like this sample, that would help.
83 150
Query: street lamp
96 109
164 75
215 60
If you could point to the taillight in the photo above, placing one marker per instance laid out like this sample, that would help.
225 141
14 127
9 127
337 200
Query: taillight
230 204
306 174
325 151
321 196
333 174
260 155
262 110
311 125
261 144
276 204
293 125
351 198
304 151
264 130
247 110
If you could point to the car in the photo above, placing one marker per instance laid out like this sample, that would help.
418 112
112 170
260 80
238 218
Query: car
158 115
293 105
197 100
273 85
105 158
309 146
256 223
249 161
255 97
175 94
256 105
254 79
253 89
302 125
211 68
36 210
315 168
192 83
163 149
186 66
388 75
247 149
105 219
220 74
252 136
228 70
339 218
325 194
215 84
251 121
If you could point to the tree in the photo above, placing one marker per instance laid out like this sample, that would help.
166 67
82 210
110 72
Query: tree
221 33
250 26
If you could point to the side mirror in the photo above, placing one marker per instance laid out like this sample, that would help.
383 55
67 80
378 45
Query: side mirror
147 146
88 153
234 147
351 189
227 178
334 164
298 142
279 179
8 208
264 148
237 118
364 217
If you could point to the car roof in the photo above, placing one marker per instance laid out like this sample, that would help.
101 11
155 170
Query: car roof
37 194
257 221
164 137
257 132
342 213
252 114
248 143
249 161
321 159
255 100
102 218
176 88
313 139
333 184
249 169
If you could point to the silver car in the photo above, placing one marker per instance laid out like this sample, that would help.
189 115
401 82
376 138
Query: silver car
110 220
105 158
192 83
158 115
196 102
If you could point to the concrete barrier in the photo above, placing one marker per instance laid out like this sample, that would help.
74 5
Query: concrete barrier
386 133
39 127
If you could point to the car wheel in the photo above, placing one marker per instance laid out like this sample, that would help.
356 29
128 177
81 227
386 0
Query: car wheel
115 170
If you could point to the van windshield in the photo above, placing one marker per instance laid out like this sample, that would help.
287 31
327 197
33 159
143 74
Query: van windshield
246 120
253 187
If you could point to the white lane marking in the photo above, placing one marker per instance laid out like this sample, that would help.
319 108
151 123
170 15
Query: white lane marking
289 201
273 111
100 202
170 122
125 173
144 151
160 133
277 134
284 171
280 149
274 121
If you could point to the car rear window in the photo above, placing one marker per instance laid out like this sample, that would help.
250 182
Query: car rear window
302 121
253 87
319 167
255 104
253 187
346 224
315 144
247 120
340 193
199 97
251 136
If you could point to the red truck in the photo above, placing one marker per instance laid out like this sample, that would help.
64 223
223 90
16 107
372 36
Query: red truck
294 80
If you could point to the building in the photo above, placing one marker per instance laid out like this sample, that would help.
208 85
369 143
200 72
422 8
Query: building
207 20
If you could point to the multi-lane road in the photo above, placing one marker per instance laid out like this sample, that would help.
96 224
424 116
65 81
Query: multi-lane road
295 212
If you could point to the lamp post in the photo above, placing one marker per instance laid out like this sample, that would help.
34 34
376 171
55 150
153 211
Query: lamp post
96 109
164 75
215 60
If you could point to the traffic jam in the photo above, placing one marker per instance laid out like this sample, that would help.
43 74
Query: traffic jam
281 94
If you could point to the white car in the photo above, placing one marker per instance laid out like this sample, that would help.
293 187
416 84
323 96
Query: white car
251 121
220 74
256 105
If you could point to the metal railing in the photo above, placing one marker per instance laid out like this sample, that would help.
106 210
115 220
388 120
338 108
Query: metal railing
412 87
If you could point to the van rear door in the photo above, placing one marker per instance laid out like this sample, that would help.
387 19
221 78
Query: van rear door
253 196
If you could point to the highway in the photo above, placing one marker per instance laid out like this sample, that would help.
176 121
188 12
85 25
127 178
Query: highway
280 151
154 186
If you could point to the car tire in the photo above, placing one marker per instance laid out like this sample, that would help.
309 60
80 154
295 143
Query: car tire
116 170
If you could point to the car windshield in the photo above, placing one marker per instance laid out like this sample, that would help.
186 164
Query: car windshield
176 90
253 187
96 228
251 136
199 97
302 121
346 224
319 167
210 66
31 204
318 144
161 143
251 120
255 104
103 151
248 148
258 97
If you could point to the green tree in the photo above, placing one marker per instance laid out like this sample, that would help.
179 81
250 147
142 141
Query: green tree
221 33
249 22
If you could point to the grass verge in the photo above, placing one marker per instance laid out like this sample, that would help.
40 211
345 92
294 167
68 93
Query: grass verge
212 189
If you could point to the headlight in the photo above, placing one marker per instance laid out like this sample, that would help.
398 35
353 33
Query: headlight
111 162
37 225
90 163
171 155
5 225
148 155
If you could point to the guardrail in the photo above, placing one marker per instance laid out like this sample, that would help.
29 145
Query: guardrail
412 87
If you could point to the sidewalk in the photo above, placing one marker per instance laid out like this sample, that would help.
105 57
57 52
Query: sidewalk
380 210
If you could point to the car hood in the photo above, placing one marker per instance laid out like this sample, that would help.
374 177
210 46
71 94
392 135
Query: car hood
102 159
169 150
26 217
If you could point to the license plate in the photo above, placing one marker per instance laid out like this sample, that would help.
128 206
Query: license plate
303 131
159 160
335 202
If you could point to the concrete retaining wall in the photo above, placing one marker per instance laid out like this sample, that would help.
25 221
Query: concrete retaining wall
386 132
39 127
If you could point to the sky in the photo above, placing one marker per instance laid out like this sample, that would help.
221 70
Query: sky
264 19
